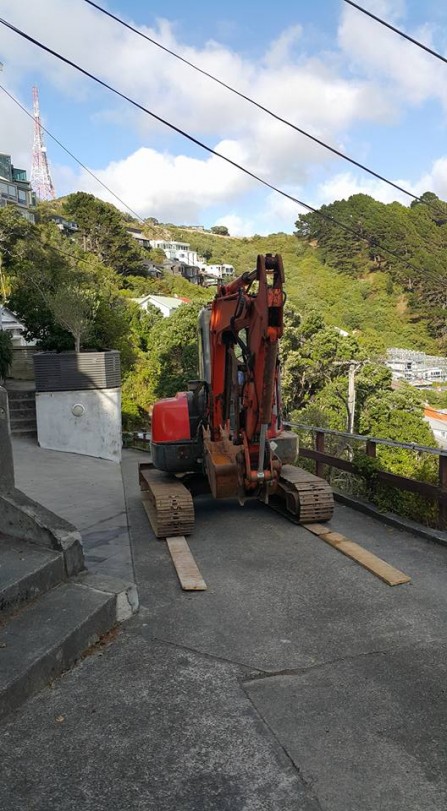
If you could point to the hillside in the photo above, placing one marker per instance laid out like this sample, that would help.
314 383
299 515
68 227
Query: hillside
351 286
370 303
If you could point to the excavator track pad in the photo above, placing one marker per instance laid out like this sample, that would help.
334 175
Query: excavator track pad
303 497
168 503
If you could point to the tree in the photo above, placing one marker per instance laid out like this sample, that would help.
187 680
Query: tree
222 230
5 353
103 233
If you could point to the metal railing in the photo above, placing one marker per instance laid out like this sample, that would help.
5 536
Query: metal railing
431 492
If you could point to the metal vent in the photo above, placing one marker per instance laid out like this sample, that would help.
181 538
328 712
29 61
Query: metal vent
71 371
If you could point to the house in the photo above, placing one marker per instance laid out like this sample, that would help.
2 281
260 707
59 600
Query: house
16 328
15 189
437 421
219 271
137 234
191 273
67 227
179 251
166 304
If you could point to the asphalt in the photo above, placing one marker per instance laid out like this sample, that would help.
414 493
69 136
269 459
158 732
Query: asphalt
298 680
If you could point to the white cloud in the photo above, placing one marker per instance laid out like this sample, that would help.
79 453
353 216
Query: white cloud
16 129
414 76
308 92
342 185
170 187
237 226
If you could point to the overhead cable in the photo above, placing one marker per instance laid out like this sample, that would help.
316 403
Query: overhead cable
257 104
197 142
397 31
16 101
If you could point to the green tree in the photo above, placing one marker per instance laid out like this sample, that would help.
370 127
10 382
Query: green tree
103 233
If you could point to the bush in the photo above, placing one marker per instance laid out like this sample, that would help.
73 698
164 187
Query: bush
5 353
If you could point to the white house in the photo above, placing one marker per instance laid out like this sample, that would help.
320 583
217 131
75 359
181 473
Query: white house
219 271
181 252
10 323
166 304
177 250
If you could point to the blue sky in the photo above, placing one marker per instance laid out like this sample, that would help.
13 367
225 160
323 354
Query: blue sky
321 64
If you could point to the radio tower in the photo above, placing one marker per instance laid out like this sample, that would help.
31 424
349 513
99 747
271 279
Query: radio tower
40 172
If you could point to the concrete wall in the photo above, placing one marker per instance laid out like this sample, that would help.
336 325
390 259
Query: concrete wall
85 422
22 367
6 460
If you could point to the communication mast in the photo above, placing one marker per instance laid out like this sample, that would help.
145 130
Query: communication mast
40 172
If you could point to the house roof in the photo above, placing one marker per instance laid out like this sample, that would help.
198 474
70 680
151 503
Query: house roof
162 301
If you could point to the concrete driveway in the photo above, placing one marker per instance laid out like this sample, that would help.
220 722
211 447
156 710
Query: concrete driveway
296 681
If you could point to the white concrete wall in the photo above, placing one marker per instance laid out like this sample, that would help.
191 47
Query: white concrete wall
85 422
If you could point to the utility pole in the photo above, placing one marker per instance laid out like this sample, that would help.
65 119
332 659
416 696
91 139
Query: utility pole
353 366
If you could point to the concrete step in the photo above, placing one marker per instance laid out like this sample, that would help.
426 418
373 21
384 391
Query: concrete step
48 636
25 409
26 572
19 395
26 423
24 431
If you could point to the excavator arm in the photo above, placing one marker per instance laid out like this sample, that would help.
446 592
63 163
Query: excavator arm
246 324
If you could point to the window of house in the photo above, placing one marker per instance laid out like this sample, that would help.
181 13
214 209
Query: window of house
22 196
12 191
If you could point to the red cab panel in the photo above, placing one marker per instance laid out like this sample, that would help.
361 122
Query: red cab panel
170 419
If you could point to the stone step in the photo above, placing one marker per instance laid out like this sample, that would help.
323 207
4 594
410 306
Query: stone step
26 571
48 636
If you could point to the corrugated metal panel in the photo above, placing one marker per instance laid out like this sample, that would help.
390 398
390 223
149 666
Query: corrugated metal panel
69 371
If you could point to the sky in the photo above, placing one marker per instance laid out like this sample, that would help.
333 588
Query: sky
322 65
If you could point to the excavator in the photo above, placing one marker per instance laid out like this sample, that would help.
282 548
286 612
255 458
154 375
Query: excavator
225 435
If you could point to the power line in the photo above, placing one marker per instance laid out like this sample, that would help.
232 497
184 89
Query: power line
16 101
396 31
329 218
256 103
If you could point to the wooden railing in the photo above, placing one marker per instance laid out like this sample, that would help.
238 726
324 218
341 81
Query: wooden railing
431 492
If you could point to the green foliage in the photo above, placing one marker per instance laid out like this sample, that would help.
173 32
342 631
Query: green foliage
173 352
104 234
222 230
5 353
416 235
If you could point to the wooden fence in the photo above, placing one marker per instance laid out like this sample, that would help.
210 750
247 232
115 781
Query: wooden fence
431 492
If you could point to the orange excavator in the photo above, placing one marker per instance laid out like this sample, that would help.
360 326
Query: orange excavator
225 435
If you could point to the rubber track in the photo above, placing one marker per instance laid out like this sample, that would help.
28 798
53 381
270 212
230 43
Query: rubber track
316 500
168 504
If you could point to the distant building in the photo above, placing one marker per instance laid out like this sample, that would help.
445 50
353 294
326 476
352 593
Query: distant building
179 251
66 226
15 189
166 304
137 234
416 368
219 271
437 421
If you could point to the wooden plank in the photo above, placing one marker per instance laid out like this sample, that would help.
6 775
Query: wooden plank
185 565
317 529
389 574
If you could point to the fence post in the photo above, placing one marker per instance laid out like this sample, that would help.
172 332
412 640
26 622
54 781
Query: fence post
319 446
371 448
6 459
443 494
